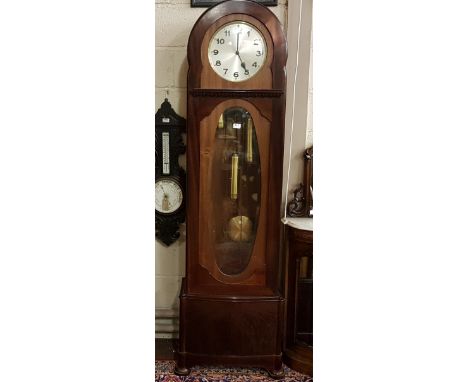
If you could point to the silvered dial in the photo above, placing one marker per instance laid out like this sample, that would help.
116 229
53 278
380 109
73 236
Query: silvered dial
168 196
237 51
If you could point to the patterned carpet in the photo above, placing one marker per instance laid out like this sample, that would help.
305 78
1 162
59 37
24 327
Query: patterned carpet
164 373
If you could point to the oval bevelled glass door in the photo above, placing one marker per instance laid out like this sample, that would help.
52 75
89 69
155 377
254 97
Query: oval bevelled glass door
236 190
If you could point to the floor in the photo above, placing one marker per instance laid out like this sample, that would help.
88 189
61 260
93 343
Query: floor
164 372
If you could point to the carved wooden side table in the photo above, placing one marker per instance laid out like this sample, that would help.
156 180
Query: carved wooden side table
297 352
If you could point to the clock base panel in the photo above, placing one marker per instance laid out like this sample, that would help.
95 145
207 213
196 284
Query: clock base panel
228 331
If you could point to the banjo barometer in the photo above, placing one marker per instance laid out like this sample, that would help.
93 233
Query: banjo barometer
231 307
169 175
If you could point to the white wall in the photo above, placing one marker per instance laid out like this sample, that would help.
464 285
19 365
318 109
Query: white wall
299 90
174 21
309 137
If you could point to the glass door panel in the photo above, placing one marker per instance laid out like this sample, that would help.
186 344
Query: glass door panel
236 190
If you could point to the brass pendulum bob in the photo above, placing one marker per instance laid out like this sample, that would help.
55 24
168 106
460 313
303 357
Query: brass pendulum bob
240 228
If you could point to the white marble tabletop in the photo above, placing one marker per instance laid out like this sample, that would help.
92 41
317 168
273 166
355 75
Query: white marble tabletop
305 224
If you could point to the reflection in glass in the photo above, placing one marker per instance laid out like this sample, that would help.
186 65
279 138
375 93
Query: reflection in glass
235 190
304 301
305 267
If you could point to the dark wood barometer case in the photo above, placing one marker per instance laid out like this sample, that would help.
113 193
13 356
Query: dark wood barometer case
231 307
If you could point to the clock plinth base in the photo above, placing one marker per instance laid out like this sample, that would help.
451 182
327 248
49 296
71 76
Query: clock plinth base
276 374
182 371
226 331
268 363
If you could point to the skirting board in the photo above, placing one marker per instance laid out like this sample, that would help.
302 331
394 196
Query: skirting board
167 323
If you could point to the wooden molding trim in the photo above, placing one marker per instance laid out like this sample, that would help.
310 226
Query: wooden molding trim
166 313
236 93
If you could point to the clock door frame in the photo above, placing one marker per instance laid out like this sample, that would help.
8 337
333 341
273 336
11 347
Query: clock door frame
263 280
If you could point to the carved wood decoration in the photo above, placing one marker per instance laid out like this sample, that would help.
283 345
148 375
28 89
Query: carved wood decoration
169 146
209 3
298 352
302 203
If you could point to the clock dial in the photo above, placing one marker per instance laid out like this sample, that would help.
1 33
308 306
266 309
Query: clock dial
237 51
168 196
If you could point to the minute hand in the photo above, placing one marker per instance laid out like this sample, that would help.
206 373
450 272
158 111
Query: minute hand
237 52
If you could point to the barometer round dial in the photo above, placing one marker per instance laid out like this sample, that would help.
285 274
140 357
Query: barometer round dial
168 196
237 51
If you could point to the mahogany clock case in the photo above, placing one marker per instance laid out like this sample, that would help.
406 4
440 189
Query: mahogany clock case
233 314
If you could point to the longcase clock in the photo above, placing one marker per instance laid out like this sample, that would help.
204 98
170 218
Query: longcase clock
231 307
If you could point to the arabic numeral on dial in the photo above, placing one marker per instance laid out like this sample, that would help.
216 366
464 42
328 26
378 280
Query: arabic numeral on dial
259 53
225 70
246 72
215 52
218 63
236 74
227 33
255 64
256 41
220 40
